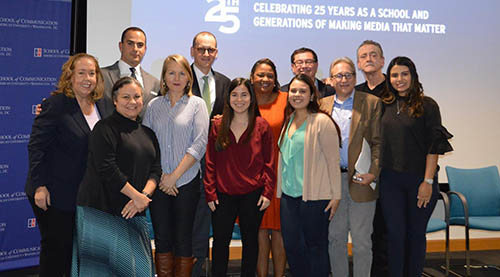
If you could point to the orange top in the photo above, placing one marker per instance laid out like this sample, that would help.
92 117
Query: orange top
274 114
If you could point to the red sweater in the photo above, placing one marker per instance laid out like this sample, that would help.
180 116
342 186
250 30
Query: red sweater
242 167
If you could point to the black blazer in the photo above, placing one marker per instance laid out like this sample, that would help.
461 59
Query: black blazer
221 87
57 149
324 89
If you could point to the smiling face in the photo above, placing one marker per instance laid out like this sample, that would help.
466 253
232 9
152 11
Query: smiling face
83 78
370 58
305 63
263 79
240 99
204 52
176 78
400 78
345 78
128 101
299 95
133 47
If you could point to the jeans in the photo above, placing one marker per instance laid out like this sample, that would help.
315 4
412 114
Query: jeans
304 226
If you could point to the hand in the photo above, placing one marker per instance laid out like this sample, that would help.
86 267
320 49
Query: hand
263 203
141 201
424 194
332 206
216 117
167 184
38 108
42 198
212 205
130 210
367 179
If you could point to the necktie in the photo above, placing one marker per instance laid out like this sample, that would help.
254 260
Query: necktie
132 69
206 94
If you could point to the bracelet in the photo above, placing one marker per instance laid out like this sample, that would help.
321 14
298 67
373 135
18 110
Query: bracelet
147 194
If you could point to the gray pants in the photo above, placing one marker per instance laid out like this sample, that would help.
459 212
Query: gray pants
358 219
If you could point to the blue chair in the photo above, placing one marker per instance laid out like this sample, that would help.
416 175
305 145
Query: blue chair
475 201
438 224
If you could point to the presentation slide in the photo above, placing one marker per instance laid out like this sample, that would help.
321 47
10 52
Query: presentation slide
454 45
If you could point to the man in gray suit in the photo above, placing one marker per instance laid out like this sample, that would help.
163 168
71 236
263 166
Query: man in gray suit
132 48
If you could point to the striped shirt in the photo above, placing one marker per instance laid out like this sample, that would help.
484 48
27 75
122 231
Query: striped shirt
180 129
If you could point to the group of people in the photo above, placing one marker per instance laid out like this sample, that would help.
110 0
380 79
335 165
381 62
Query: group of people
298 167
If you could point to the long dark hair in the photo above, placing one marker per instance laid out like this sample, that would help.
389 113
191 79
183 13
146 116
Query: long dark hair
415 102
223 141
312 106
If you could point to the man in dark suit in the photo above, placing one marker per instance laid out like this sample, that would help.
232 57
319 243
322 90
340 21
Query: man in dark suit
305 60
211 86
358 116
132 48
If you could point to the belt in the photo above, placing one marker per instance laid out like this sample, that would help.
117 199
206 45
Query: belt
343 169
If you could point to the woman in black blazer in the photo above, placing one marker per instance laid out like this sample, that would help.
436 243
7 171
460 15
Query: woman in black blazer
57 153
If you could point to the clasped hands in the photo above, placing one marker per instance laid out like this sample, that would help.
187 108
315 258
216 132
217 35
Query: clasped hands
136 205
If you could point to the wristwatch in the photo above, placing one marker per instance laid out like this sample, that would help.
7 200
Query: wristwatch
429 181
147 194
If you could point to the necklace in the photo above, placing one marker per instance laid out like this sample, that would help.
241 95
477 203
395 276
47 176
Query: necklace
397 105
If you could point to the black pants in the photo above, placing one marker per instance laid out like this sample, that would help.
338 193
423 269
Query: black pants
223 218
172 218
380 266
406 223
56 231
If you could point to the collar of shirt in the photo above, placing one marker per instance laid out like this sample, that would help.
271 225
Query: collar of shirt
342 114
211 82
125 71
184 99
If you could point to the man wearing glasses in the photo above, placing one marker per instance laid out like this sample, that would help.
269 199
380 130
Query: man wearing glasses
209 85
132 48
305 60
358 116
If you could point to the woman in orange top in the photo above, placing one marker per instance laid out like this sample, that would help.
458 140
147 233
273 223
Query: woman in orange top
272 103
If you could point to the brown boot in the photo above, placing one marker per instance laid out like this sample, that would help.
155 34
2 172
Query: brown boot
183 266
164 263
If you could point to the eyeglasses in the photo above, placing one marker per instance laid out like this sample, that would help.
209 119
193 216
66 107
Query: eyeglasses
201 50
339 76
304 62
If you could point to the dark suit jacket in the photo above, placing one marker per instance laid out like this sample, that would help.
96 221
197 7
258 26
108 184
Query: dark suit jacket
57 149
111 74
324 89
365 123
221 87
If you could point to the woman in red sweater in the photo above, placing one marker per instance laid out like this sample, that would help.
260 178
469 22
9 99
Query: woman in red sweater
239 178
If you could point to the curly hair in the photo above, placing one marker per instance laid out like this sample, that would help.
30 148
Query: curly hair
65 85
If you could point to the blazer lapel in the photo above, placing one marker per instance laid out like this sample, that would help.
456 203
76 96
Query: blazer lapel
77 115
196 88
356 116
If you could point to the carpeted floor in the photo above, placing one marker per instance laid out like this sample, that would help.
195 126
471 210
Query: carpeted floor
433 264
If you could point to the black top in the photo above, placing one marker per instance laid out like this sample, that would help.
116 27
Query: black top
377 91
120 150
406 140
57 149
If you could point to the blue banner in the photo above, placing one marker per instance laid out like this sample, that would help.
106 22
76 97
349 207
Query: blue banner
33 46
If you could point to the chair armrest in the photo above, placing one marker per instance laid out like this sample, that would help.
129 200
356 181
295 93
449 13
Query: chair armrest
446 201
464 205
